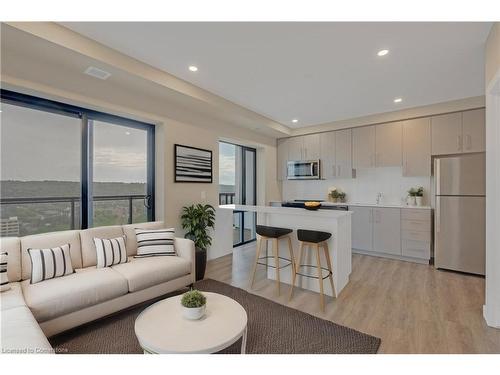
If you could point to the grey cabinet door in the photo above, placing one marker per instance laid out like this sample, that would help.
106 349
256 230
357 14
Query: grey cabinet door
474 125
362 228
282 158
327 155
363 147
388 140
296 148
417 147
387 230
343 153
311 147
447 134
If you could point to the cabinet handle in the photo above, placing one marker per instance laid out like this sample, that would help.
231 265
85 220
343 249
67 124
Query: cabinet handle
459 142
333 170
338 170
468 141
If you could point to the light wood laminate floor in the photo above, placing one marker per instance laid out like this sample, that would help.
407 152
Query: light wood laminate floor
413 308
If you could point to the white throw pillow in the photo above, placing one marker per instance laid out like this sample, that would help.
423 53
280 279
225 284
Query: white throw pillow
155 242
50 263
110 251
4 279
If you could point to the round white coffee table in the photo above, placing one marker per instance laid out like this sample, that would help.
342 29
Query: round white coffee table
161 327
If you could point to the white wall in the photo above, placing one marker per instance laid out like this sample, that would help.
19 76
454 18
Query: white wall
362 189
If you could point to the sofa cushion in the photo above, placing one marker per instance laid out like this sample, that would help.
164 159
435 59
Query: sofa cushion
12 245
129 231
12 298
21 333
50 263
52 298
155 242
110 251
4 279
141 273
48 240
89 255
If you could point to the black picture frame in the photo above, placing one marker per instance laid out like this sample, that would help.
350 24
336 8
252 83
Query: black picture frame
201 170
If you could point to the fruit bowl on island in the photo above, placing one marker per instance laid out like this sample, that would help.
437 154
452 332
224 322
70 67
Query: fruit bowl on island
313 206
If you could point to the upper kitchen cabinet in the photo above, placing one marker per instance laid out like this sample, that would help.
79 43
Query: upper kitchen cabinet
282 158
295 148
474 137
417 147
327 147
305 147
388 139
363 147
311 147
343 153
446 133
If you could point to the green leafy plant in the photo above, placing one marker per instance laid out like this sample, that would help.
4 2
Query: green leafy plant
197 220
416 192
193 299
341 196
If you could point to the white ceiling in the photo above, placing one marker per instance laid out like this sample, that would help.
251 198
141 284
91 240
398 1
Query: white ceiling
315 72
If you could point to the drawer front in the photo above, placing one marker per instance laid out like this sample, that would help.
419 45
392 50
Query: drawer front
416 225
416 235
415 214
416 249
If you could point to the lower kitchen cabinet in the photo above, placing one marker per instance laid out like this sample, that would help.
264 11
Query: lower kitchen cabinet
398 232
387 230
362 228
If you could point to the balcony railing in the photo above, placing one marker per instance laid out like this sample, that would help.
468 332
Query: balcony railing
73 201
226 198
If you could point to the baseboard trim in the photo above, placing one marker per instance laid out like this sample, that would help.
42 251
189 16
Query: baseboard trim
389 256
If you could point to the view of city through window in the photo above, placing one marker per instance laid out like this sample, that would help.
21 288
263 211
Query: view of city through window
40 172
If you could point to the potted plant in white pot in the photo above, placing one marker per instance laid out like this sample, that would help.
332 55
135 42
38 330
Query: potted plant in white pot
410 199
197 220
419 196
193 305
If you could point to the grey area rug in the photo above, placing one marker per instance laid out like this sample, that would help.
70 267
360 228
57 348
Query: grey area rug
272 329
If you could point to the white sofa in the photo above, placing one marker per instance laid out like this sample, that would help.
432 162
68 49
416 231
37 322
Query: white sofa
32 312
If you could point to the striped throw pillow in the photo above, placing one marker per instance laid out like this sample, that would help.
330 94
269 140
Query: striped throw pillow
155 242
4 279
50 263
110 251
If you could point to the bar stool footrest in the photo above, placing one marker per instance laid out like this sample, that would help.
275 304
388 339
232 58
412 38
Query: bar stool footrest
272 257
328 272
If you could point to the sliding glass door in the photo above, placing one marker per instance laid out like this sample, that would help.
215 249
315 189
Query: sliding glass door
65 167
237 185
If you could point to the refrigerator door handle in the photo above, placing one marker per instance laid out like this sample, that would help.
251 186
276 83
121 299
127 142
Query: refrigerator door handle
438 216
437 174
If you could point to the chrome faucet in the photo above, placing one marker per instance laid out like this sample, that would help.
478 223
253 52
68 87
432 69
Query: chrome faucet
379 197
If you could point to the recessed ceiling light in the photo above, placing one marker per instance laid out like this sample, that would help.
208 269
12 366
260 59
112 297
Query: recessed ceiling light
382 52
97 73
398 100
127 133
193 68
295 120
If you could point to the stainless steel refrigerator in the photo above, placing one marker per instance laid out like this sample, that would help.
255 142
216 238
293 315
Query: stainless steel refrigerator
460 213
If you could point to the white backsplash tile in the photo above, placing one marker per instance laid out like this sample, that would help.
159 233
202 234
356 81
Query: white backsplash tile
362 189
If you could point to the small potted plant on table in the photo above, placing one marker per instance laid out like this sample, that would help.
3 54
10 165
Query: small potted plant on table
410 199
193 305
197 220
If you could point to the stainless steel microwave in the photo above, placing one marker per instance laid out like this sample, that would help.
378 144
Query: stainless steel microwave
303 170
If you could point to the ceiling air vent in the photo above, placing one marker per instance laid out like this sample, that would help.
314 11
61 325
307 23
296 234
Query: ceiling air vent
97 73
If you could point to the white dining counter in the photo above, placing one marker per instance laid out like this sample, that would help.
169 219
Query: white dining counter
336 222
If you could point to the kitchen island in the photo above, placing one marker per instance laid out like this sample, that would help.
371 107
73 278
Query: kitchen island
338 223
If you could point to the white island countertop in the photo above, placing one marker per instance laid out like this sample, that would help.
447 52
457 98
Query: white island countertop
286 210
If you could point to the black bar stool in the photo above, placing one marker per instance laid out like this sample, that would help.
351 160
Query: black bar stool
275 234
314 239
